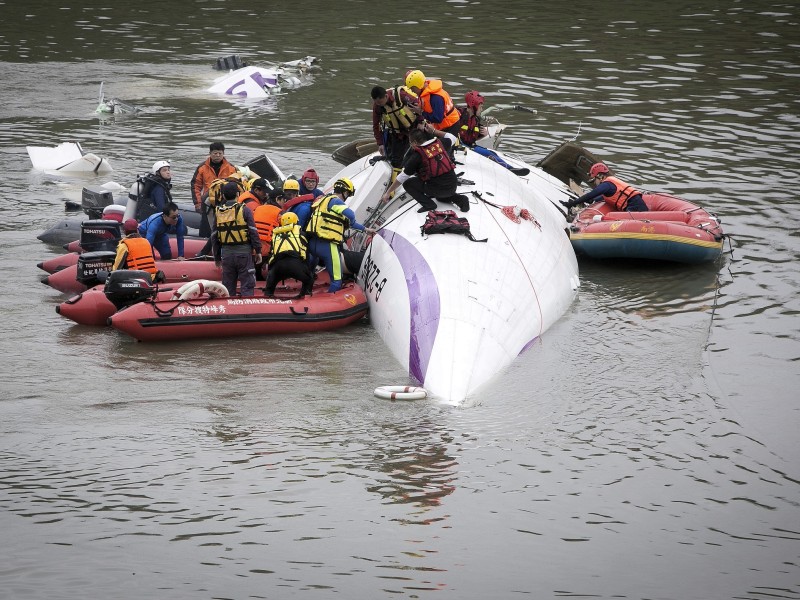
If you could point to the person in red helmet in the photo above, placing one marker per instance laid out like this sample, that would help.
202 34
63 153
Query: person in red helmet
473 128
620 195
309 183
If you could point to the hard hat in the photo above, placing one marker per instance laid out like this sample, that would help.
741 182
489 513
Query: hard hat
311 174
415 78
291 185
344 185
158 165
130 225
289 218
596 169
474 99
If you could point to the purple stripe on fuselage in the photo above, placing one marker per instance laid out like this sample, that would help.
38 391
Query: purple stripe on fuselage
423 301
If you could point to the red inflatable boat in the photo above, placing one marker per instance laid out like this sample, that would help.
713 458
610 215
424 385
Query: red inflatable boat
672 230
206 317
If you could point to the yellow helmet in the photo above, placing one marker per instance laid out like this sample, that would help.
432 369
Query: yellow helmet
415 78
344 186
291 185
288 218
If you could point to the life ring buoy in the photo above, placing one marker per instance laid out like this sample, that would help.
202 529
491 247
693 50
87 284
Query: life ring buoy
198 287
400 392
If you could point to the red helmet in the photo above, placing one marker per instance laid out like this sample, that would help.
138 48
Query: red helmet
474 99
130 225
596 169
311 174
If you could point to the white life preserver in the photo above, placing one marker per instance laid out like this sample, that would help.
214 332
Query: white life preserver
198 287
400 392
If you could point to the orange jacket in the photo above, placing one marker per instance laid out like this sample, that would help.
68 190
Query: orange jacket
267 218
205 174
250 200
624 192
139 255
451 114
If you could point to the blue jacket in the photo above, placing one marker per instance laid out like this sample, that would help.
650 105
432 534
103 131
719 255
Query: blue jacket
155 228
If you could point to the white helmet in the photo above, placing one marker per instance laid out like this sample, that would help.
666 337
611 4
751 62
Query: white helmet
158 165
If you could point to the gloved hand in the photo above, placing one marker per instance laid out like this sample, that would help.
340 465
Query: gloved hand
566 203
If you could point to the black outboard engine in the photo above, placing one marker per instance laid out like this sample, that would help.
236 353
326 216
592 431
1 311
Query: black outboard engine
92 265
94 201
100 234
127 287
232 62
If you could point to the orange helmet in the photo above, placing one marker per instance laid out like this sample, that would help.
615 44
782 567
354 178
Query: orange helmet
596 169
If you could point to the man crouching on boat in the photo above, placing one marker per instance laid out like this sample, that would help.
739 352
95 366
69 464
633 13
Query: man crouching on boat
428 171
618 194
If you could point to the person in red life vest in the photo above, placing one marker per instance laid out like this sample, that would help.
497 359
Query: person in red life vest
135 252
472 128
620 195
395 112
235 242
309 182
216 166
436 107
428 171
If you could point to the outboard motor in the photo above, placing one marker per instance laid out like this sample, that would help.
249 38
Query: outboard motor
94 201
126 287
100 234
227 63
91 264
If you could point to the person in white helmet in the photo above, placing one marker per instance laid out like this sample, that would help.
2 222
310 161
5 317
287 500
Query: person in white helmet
154 194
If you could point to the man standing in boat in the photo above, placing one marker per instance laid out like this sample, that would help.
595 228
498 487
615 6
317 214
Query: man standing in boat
156 229
235 241
428 171
620 195
395 112
216 166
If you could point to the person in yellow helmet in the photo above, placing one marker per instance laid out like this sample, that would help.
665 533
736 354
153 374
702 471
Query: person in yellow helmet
437 107
288 257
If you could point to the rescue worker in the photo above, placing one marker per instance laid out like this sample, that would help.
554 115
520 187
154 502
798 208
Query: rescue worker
288 257
472 128
216 166
428 171
256 195
298 204
436 106
134 252
235 242
154 190
157 229
266 217
394 114
330 217
618 194
309 182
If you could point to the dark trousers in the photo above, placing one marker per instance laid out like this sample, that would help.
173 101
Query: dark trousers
289 267
424 191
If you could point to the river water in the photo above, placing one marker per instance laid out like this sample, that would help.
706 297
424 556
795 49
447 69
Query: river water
645 447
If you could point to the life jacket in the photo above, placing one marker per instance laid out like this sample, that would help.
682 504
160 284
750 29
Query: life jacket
288 238
324 222
290 204
267 218
250 200
470 128
140 255
231 226
624 192
446 221
451 114
215 189
435 160
397 116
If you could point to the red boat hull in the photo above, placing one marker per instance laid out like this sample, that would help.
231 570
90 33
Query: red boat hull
672 230
175 271
92 307
191 246
172 320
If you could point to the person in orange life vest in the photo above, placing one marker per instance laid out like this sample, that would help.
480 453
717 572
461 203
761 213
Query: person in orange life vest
617 193
428 171
309 182
472 128
395 112
235 242
256 195
134 251
216 166
436 107
266 217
